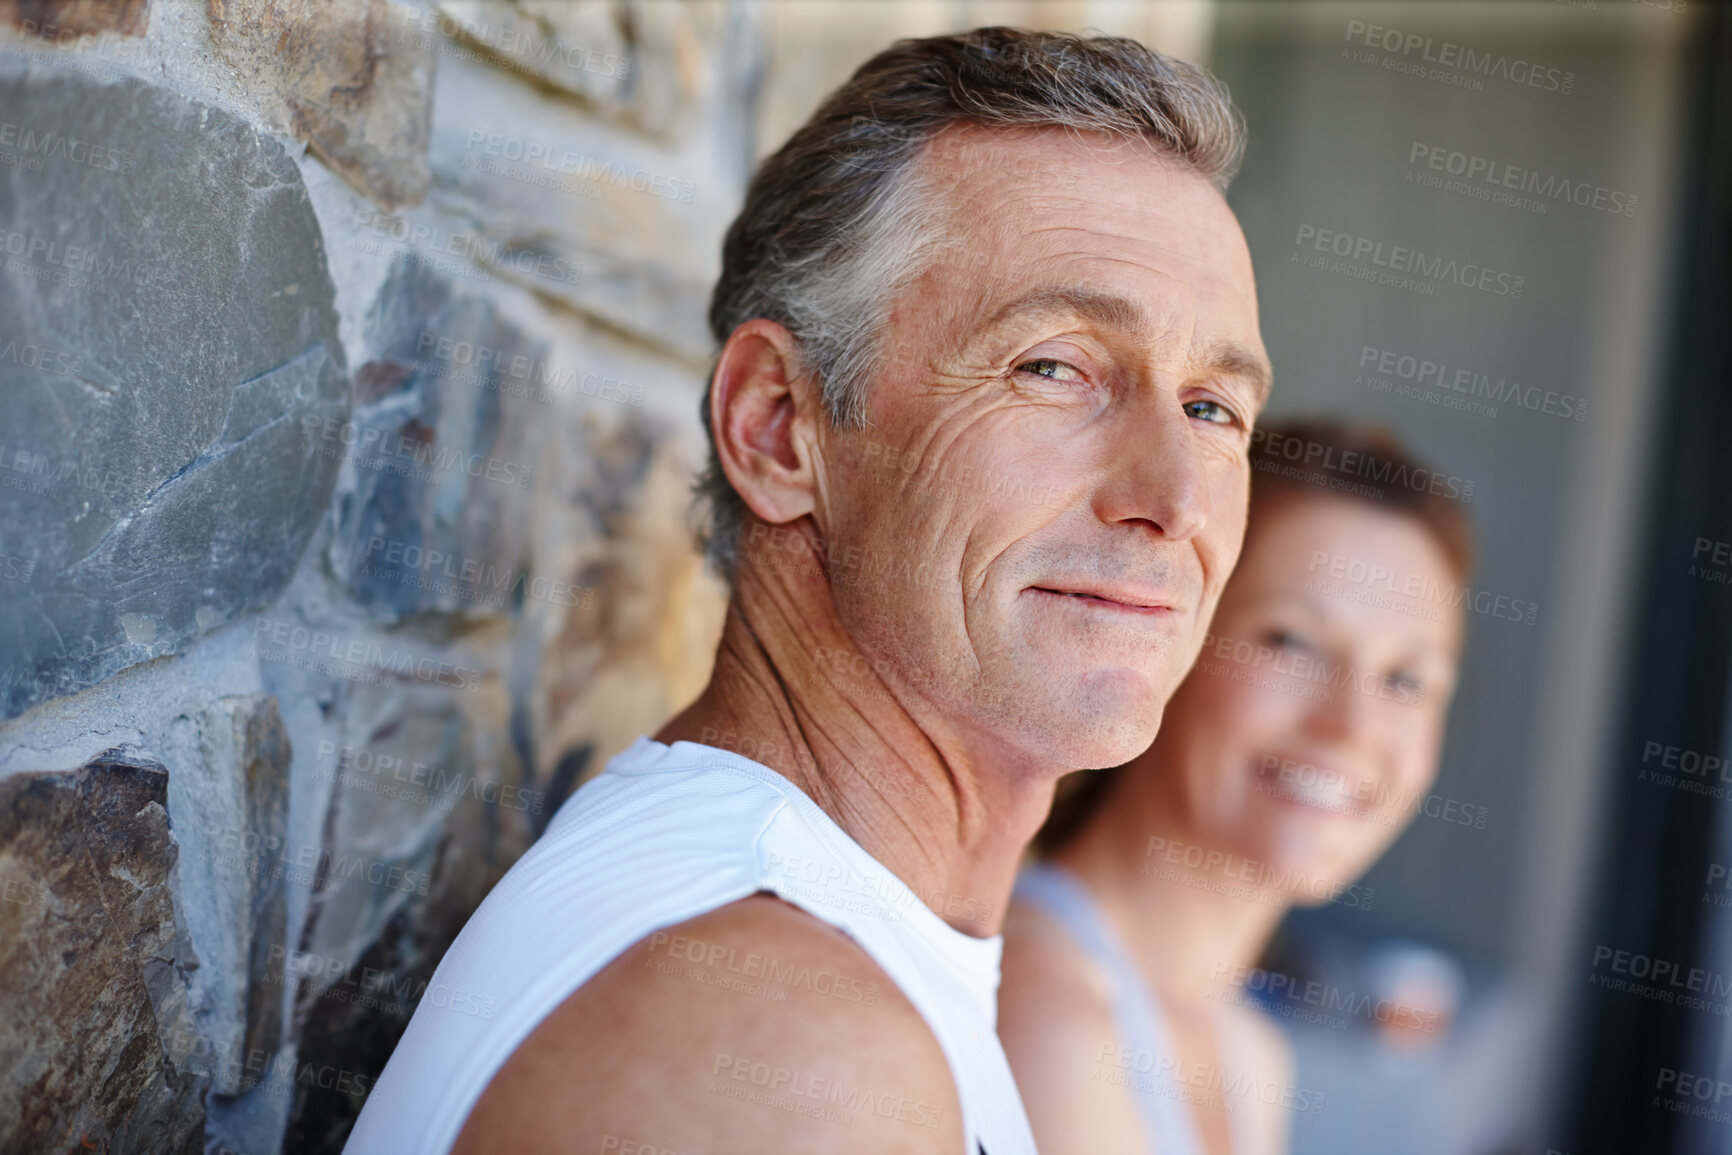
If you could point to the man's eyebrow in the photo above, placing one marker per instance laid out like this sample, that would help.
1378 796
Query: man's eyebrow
1235 360
1115 312
1108 309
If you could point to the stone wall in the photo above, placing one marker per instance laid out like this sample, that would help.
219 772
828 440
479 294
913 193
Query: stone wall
349 364
350 354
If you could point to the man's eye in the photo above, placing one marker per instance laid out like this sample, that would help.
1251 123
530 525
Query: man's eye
1286 640
1052 370
1212 411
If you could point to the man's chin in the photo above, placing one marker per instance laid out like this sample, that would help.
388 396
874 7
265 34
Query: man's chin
1092 738
1070 717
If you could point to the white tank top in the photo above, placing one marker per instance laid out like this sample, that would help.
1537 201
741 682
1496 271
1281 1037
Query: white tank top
664 834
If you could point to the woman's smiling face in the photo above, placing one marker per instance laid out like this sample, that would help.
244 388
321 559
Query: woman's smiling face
1308 732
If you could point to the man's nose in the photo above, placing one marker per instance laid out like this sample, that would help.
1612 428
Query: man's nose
1157 475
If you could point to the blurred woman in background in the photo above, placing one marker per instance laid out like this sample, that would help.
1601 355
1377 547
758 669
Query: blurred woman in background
1300 745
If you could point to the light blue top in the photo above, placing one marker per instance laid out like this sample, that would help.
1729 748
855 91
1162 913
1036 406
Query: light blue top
1169 1127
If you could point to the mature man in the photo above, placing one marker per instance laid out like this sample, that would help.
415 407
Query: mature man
980 425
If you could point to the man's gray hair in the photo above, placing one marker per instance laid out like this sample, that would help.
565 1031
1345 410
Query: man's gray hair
834 224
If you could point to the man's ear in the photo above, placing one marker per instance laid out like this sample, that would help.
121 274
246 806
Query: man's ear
762 415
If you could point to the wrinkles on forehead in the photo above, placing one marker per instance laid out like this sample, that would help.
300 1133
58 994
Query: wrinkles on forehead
1046 227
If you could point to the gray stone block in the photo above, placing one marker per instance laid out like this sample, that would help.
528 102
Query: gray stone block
168 351
606 190
433 515
425 782
228 798
579 49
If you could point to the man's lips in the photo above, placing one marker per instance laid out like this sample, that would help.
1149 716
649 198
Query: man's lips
1114 597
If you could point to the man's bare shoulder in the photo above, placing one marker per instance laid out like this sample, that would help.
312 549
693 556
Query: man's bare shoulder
1055 1018
752 1028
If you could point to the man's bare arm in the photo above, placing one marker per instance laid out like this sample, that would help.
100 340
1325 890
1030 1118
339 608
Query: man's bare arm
754 1028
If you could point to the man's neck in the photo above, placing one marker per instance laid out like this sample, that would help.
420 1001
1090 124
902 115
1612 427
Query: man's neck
789 690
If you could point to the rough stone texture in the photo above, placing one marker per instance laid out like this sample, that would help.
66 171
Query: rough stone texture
402 761
576 48
474 815
358 93
459 433
53 19
434 517
228 797
645 63
634 209
88 964
159 476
